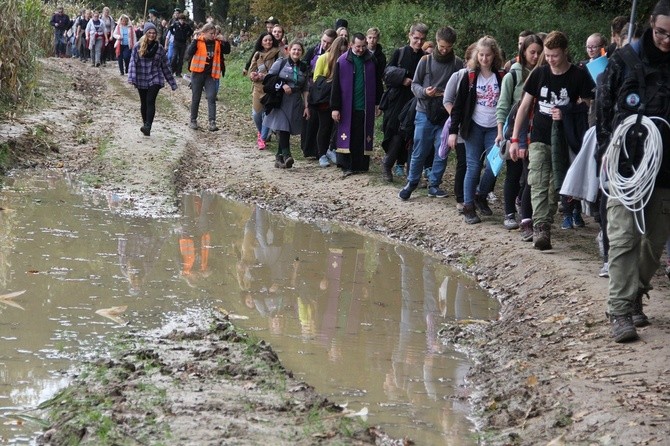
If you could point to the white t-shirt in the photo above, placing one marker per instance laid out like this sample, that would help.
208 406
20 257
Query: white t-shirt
488 92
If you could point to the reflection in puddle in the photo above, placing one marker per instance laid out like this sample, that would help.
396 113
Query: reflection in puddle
351 314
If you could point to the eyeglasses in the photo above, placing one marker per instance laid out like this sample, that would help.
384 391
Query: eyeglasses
661 34
593 47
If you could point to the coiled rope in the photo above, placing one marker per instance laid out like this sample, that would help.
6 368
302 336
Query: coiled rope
635 191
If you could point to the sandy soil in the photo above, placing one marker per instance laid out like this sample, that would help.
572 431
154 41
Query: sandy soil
546 371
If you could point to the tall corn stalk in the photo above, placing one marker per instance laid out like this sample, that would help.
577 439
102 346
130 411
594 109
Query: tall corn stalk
25 35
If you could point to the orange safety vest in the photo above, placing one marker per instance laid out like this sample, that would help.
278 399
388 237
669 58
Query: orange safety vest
200 58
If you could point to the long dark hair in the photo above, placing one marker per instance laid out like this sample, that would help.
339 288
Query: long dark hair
258 46
528 41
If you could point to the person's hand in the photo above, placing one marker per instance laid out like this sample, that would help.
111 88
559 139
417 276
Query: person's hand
287 89
453 139
499 137
306 113
514 151
378 112
244 72
431 91
407 82
335 114
556 114
523 153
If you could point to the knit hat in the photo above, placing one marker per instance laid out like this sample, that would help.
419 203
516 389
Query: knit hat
148 26
341 23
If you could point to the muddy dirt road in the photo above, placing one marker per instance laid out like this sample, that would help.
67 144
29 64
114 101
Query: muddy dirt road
545 371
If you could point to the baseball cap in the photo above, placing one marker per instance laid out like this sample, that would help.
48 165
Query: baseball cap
272 20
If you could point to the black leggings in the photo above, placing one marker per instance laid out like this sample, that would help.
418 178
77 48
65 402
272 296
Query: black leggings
325 131
284 143
513 185
148 103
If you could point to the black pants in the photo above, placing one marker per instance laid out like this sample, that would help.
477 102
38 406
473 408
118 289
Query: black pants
148 103
325 131
513 185
461 168
284 144
177 62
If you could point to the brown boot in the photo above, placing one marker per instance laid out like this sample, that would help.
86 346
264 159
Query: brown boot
542 236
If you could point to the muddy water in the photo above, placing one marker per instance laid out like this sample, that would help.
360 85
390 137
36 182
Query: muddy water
353 315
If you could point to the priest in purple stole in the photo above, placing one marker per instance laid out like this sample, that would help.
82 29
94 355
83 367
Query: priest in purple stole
354 100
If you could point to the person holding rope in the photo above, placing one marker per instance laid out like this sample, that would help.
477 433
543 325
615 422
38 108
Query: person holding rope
632 109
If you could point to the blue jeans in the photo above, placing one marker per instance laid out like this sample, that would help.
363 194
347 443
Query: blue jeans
59 41
426 138
258 120
479 142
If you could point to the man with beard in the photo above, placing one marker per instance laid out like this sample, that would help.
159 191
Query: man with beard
430 79
354 100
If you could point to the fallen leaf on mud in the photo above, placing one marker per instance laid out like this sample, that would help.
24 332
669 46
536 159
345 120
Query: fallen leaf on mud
553 319
113 314
6 299
579 415
582 357
363 413
532 381
558 441
329 434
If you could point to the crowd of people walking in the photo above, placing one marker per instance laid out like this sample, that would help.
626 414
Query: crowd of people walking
561 127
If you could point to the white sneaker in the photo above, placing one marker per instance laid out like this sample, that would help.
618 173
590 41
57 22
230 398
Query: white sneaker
323 161
331 156
605 270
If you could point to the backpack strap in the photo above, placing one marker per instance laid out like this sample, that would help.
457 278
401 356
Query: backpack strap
471 78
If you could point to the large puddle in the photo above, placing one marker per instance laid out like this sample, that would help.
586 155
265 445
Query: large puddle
351 314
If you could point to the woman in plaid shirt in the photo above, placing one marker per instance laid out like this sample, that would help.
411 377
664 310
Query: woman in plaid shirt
148 71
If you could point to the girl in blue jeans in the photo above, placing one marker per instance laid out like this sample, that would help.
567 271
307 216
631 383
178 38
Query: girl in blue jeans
474 115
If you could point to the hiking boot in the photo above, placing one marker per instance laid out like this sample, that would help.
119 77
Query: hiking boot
526 230
399 170
470 215
387 172
279 162
639 318
288 161
406 191
542 236
510 222
436 192
260 142
482 205
622 328
459 208
605 270
568 223
146 129
323 161
212 126
578 220
193 125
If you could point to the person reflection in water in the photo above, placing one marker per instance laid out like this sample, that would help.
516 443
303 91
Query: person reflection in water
138 251
195 239
265 268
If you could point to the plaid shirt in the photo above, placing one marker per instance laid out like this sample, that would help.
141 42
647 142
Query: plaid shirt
144 72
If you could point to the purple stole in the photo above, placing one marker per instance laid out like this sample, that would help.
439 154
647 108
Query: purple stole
346 73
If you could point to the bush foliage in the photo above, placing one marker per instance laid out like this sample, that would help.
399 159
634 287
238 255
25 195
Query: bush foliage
25 35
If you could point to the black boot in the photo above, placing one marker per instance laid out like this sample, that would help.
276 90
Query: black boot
288 159
387 170
279 162
146 129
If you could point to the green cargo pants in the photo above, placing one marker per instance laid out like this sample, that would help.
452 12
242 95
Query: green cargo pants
633 257
543 194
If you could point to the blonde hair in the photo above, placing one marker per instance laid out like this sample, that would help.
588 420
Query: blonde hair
334 53
486 42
